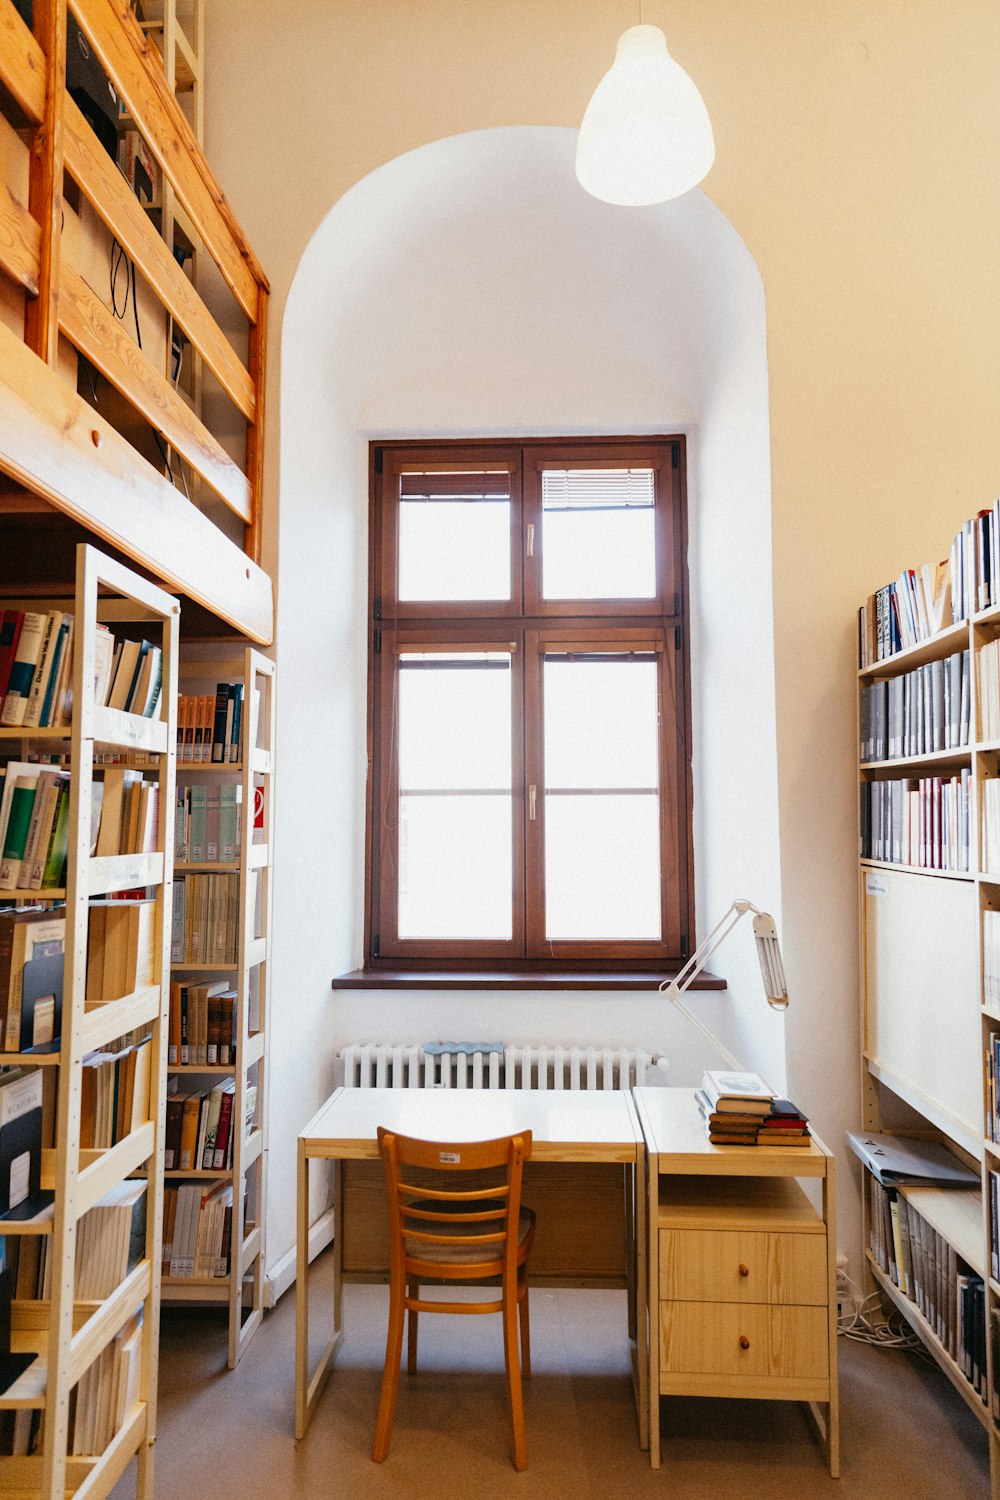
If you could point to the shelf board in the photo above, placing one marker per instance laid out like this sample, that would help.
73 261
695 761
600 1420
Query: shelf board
29 1389
29 732
960 1131
956 1214
228 1069
219 1285
934 647
186 767
229 867
118 872
199 1172
40 1224
929 1338
915 762
204 968
51 893
885 864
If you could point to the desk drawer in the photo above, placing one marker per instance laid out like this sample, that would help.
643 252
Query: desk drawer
705 1338
743 1266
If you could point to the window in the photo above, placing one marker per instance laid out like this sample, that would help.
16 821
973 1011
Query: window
529 790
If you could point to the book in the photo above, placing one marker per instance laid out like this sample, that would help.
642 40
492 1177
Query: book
748 1090
43 667
126 673
732 1117
104 657
22 669
10 632
40 829
15 840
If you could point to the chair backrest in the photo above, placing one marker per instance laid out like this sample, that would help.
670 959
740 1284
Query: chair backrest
448 1197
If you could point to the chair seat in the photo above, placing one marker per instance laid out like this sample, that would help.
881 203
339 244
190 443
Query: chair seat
465 1254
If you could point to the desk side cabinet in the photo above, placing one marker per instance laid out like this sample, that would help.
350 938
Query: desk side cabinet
742 1269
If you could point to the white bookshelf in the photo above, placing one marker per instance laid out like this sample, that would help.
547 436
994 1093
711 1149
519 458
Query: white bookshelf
243 1288
925 1026
68 1335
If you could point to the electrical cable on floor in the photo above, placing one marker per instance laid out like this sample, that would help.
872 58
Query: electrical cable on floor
891 1332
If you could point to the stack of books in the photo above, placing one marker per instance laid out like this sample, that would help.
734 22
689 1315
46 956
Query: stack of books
740 1109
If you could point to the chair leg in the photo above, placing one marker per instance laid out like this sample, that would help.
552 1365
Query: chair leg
413 1292
390 1375
514 1376
525 1325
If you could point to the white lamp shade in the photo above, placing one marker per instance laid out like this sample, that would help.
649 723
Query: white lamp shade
646 135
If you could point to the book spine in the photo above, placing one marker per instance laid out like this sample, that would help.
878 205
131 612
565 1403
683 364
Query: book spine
22 672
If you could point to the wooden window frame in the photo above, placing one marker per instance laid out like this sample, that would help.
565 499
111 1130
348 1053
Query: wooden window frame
532 625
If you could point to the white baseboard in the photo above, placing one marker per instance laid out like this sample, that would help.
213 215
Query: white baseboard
282 1274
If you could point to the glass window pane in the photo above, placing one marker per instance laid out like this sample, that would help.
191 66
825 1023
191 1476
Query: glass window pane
455 805
598 534
455 866
601 722
602 867
454 537
602 805
455 721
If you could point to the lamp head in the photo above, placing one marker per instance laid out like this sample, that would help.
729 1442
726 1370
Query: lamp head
646 136
772 970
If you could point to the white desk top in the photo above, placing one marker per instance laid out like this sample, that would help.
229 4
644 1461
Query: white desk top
566 1125
673 1128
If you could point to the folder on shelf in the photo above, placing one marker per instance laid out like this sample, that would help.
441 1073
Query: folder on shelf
41 1003
21 1196
900 1159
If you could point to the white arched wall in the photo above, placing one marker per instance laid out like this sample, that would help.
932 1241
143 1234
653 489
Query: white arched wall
472 288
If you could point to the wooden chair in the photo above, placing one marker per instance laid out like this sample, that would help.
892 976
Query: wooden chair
446 1227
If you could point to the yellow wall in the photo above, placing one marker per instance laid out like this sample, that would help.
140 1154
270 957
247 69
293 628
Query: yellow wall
858 153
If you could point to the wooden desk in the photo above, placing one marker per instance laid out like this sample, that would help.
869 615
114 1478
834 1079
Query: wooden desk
742 1275
567 1127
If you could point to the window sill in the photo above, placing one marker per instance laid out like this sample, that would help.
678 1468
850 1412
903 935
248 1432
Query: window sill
401 978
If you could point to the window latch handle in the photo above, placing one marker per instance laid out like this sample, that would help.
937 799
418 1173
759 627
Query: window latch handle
531 539
532 803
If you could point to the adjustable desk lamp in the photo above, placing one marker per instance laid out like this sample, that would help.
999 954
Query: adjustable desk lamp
771 968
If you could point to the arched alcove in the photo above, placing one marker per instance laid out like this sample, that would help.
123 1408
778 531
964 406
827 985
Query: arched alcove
472 288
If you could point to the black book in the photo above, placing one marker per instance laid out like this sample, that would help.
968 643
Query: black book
219 746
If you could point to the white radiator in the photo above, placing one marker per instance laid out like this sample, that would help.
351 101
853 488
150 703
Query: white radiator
386 1066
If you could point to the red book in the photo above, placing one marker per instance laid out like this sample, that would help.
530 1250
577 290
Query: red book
225 1129
10 631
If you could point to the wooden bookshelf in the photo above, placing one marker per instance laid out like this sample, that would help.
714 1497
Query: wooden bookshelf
243 1288
68 1335
925 1021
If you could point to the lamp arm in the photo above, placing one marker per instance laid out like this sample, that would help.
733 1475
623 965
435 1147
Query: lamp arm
681 981
674 988
710 1036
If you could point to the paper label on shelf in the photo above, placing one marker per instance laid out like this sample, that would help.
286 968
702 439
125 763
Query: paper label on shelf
20 1171
43 1029
876 885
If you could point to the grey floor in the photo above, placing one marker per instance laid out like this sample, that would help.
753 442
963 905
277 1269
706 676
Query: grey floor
906 1435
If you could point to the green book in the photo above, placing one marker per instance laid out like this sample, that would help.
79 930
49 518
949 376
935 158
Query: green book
21 804
55 859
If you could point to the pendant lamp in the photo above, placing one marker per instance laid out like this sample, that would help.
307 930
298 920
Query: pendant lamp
646 135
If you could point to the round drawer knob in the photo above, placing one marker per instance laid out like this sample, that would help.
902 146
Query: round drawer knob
744 1270
744 1341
